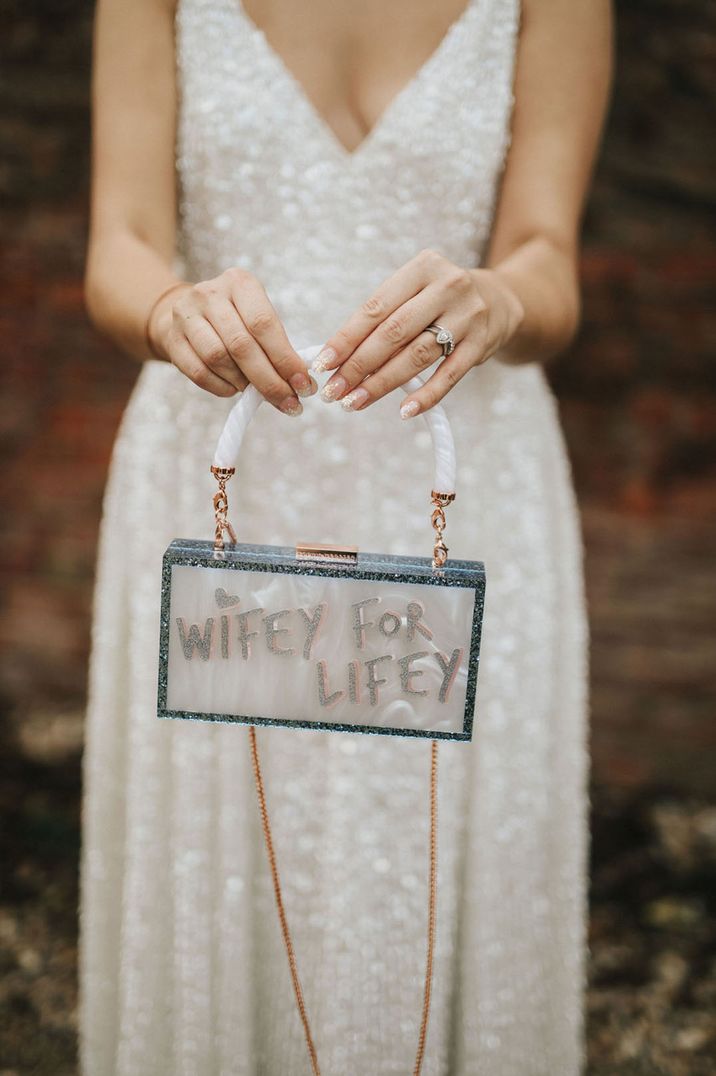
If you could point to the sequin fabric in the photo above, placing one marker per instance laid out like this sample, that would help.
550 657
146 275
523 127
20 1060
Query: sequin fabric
183 972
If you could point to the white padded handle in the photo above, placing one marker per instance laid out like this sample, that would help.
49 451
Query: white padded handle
232 435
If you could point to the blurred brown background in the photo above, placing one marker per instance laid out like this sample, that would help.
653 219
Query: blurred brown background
638 401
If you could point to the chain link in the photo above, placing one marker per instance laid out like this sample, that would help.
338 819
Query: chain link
288 942
221 507
440 550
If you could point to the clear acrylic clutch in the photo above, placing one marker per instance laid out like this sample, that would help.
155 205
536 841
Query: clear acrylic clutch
318 637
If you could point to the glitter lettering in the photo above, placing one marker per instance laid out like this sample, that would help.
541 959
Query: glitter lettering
416 611
312 624
245 636
324 697
359 624
406 673
449 669
389 624
272 632
354 681
375 682
192 639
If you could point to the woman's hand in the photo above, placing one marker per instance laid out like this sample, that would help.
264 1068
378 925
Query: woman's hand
384 344
224 333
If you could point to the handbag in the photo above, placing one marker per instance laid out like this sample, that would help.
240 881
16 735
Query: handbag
324 638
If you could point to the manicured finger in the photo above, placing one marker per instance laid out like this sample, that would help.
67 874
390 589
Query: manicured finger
265 326
447 375
246 356
406 282
394 335
421 353
184 357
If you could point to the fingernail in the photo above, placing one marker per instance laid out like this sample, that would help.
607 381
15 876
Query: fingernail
354 399
291 406
333 388
302 384
409 409
324 359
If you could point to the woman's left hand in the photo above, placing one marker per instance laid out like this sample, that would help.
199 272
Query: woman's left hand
384 344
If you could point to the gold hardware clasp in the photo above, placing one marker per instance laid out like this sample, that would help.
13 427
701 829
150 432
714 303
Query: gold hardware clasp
318 551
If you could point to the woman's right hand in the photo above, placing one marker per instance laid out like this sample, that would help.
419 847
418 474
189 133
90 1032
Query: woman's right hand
224 333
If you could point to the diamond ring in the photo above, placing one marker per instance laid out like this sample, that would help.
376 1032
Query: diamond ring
444 337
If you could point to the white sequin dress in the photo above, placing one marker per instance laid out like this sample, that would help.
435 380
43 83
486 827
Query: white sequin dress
183 971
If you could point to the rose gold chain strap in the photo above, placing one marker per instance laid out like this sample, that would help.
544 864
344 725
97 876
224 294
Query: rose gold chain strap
432 905
432 902
279 901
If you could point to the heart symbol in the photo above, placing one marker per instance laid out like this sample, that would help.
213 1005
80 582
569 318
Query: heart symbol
223 599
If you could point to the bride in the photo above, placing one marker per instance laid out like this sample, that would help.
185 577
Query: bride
269 176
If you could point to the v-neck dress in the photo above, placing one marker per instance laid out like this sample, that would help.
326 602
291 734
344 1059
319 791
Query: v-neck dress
182 965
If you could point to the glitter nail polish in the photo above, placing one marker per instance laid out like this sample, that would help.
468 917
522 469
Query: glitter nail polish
291 406
302 384
333 388
323 359
354 399
409 409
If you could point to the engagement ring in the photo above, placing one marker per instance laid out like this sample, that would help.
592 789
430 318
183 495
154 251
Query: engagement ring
444 337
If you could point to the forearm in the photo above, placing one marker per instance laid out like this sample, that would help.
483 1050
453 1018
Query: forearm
544 278
123 277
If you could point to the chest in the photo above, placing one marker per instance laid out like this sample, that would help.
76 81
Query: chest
329 87
351 61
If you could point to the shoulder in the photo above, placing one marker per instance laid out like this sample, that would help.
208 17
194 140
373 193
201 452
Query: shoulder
565 43
565 18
